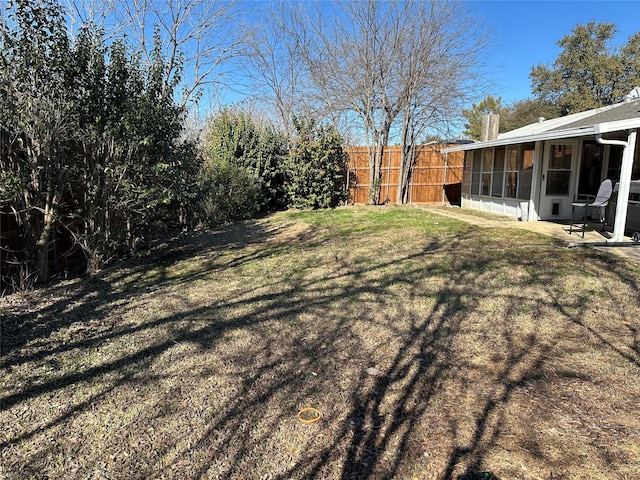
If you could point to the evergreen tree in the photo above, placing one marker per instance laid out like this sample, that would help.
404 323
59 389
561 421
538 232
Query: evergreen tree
89 139
235 139
589 72
526 112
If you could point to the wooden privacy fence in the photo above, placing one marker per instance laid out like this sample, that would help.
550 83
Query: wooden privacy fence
436 177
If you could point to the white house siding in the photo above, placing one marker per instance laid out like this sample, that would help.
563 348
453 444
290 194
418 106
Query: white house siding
501 206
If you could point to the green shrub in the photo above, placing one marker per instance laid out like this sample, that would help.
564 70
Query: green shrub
238 139
229 192
317 165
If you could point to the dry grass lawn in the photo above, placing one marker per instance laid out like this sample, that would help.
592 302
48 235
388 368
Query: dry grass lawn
432 349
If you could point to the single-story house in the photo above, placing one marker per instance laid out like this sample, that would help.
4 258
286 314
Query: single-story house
535 172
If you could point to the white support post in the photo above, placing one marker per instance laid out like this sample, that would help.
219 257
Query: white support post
536 181
623 188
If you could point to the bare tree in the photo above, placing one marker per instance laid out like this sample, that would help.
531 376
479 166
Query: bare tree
437 72
399 66
274 64
350 62
200 39
97 13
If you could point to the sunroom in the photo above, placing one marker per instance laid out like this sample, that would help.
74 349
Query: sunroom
535 172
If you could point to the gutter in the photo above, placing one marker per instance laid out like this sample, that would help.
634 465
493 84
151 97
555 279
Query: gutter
554 134
604 141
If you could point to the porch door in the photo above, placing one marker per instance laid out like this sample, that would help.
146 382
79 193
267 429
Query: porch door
560 159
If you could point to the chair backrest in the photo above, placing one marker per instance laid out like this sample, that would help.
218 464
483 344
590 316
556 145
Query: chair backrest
604 194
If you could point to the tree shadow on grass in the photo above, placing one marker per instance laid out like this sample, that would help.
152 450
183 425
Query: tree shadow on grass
96 297
220 383
378 438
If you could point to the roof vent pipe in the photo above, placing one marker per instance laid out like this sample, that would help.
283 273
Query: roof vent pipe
632 95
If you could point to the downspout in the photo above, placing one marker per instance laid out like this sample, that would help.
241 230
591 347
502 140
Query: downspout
622 204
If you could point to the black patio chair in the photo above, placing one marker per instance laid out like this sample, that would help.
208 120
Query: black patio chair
600 201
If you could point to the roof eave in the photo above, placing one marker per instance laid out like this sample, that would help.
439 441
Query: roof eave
570 133
617 126
597 129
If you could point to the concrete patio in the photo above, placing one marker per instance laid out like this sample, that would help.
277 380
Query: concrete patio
559 231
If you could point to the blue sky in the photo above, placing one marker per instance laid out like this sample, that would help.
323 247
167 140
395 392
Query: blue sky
527 33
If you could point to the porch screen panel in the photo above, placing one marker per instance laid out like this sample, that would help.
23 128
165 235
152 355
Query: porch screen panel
475 173
498 172
559 171
487 170
511 174
615 163
526 171
466 172
635 172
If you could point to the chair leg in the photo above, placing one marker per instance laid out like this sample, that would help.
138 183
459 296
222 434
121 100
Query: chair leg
571 223
601 216
584 219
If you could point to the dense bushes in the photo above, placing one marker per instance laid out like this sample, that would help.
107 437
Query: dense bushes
229 193
91 145
317 165
91 136
309 173
255 152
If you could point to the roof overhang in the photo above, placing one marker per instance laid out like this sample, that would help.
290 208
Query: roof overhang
598 129
620 125
577 132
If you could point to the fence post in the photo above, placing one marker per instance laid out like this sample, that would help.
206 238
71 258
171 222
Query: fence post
444 181
388 199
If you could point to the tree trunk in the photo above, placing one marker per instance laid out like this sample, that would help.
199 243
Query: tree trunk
405 161
376 154
42 245
375 163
